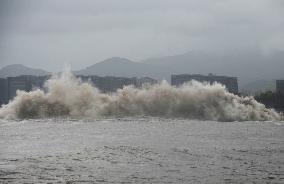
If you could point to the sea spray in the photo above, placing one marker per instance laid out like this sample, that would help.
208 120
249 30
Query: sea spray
67 96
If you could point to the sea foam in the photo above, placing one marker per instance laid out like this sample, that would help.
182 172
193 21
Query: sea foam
67 96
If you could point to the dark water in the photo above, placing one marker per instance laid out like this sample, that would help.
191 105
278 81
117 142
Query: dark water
141 150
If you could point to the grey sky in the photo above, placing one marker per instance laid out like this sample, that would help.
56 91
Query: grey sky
48 33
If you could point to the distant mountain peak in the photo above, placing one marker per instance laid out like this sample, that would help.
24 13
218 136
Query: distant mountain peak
123 67
19 69
14 66
117 59
113 62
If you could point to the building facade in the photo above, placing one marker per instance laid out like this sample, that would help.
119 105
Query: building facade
280 87
145 80
3 91
231 83
18 83
111 84
24 83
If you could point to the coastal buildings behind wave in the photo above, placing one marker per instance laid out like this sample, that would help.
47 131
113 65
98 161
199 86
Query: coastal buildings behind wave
25 83
280 87
231 83
9 86
3 91
111 84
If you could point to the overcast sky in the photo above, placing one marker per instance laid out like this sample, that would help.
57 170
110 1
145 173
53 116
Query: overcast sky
48 33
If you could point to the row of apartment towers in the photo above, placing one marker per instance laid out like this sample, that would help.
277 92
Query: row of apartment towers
10 85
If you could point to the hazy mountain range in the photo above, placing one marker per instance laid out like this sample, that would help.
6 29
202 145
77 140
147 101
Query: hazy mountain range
117 66
255 71
18 69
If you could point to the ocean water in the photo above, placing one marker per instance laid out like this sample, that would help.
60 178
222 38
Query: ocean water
140 150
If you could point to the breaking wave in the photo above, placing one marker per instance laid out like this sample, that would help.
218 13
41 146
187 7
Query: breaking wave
66 96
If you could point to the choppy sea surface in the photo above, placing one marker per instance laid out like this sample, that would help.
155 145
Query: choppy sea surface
141 150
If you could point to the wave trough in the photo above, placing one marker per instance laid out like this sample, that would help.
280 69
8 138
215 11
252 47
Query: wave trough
67 96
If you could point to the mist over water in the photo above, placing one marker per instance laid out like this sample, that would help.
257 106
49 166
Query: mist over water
67 96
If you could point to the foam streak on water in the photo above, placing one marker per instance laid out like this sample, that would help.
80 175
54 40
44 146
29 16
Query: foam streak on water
69 97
